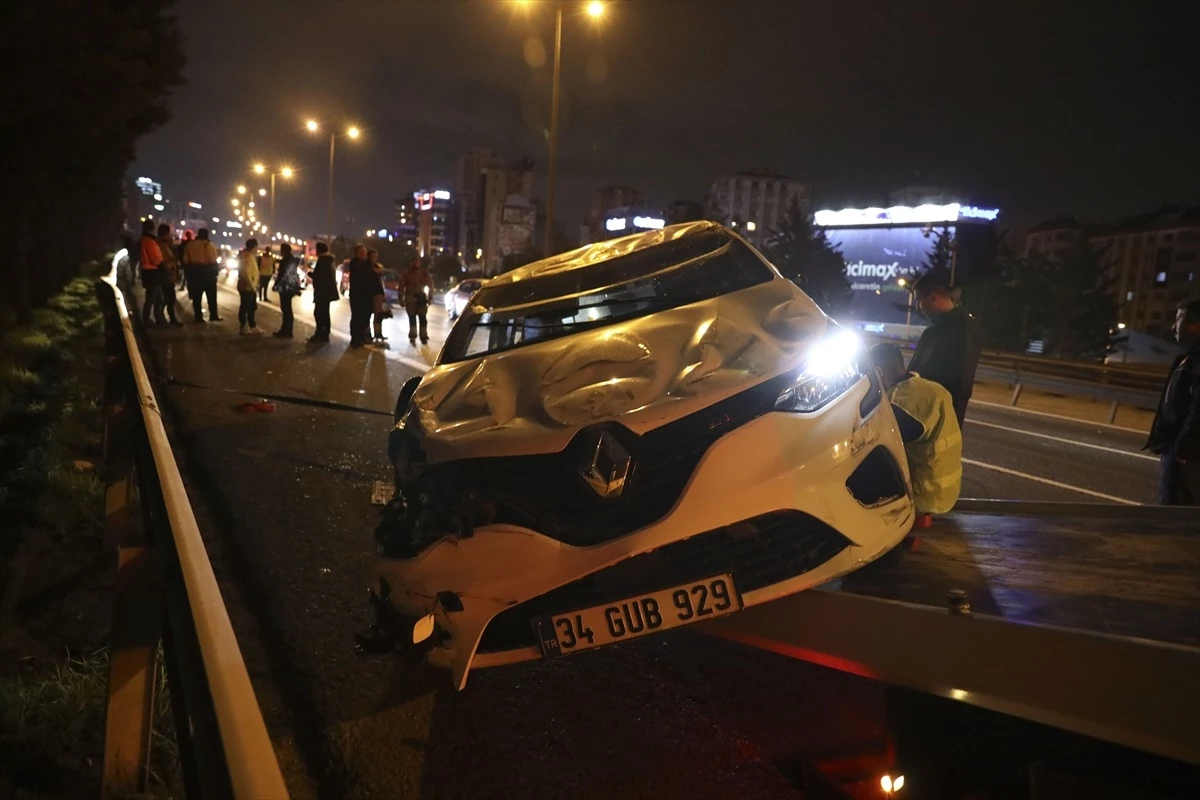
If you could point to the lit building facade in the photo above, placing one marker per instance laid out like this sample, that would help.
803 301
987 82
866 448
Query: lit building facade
755 202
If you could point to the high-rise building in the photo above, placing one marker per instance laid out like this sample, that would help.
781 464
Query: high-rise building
406 218
429 222
502 188
754 202
468 186
1153 261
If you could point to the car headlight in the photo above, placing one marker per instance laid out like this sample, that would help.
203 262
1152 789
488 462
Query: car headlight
831 367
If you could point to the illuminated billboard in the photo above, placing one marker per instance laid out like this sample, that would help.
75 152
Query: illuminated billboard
876 260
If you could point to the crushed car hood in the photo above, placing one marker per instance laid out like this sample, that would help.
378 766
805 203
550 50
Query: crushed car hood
643 372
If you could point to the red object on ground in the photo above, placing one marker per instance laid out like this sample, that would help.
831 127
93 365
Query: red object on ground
924 520
261 405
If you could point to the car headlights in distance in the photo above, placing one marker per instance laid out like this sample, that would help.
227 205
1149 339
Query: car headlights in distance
832 367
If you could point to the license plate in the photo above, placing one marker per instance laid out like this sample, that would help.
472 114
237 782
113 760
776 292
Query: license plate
619 621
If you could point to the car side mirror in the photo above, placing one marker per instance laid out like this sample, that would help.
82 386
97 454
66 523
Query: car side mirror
404 399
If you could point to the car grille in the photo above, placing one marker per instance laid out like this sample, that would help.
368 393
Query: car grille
546 492
760 551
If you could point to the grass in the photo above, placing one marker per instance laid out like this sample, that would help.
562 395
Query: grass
58 717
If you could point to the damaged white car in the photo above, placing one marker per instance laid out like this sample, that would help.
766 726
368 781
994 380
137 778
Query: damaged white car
630 437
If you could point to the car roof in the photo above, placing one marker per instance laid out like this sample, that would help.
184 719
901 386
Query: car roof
603 251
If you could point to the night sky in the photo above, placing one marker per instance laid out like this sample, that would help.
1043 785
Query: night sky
1085 108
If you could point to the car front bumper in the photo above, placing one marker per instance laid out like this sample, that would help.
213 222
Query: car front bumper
778 462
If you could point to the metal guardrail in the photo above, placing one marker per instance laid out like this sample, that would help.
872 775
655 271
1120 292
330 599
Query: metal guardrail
166 593
1121 385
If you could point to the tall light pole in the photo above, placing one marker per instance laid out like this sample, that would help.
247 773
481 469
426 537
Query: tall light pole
352 132
549 237
595 10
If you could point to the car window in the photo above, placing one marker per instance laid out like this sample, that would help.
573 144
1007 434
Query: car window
644 282
468 286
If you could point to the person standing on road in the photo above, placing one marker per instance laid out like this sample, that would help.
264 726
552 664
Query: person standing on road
363 285
380 311
949 349
287 284
416 285
248 287
266 270
200 267
325 291
932 439
170 271
1175 432
151 258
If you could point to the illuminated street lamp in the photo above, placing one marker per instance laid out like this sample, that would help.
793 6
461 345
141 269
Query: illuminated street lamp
235 202
241 190
284 171
904 283
595 10
352 132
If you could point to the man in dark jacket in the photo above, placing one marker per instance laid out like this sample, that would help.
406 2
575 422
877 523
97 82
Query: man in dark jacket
948 351
1175 433
364 285
325 291
287 284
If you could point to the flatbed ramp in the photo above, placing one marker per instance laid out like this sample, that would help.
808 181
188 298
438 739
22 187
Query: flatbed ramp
1083 617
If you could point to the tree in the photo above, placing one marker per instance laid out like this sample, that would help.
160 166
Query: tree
1085 309
98 78
941 257
802 253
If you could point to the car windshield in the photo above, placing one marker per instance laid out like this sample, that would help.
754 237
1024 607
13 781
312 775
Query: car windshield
507 315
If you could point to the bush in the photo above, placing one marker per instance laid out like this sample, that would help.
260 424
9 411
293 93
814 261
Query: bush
26 343
18 380
73 500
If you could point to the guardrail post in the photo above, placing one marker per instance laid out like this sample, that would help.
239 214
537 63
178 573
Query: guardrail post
132 671
1016 394
1112 412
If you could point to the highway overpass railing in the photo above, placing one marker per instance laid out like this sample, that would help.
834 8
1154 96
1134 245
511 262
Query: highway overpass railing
167 601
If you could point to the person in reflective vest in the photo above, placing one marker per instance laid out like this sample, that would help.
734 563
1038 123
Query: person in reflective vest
929 427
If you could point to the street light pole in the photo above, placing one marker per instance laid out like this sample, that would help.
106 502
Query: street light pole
329 211
272 199
553 133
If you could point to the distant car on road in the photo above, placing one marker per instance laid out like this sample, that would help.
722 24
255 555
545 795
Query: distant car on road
456 299
654 431
391 286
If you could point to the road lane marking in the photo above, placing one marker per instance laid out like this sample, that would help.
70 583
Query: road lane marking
1007 407
1049 482
1064 441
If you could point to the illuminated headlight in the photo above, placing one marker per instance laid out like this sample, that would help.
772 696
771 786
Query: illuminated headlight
832 367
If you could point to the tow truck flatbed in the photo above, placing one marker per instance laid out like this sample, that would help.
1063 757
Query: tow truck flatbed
1083 617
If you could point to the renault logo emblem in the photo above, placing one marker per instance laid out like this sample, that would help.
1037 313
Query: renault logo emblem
604 465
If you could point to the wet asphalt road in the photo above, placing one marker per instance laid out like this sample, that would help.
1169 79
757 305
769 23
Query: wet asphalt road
283 499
